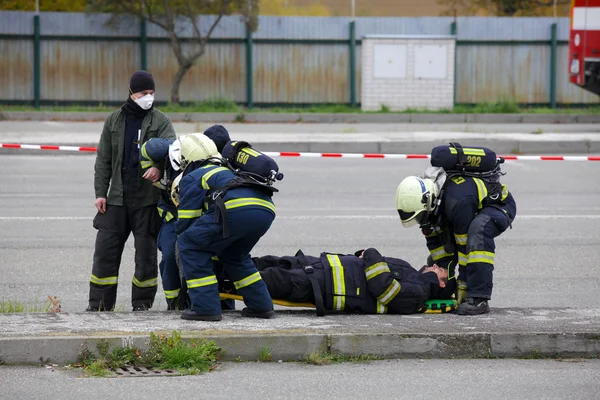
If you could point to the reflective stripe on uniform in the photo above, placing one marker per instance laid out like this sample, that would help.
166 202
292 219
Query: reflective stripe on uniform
468 151
160 211
381 309
148 162
250 151
339 284
210 173
481 257
214 258
461 240
376 269
504 192
247 281
249 201
186 214
109 280
207 280
390 293
439 253
462 259
171 294
482 191
145 284
169 216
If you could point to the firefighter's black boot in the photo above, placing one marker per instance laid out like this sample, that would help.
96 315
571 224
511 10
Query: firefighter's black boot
474 306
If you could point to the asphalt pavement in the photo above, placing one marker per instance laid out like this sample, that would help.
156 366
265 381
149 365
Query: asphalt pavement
390 379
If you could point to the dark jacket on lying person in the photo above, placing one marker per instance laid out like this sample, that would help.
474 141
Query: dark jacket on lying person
371 284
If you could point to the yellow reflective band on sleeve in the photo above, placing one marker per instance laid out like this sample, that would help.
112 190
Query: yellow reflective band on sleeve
171 294
504 192
183 214
146 164
469 151
390 293
481 257
247 281
144 153
109 280
439 253
145 284
462 259
210 173
169 216
208 280
461 240
250 151
249 201
339 284
376 269
214 258
482 191
381 309
160 211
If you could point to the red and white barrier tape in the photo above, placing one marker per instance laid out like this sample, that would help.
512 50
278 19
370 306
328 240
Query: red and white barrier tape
317 155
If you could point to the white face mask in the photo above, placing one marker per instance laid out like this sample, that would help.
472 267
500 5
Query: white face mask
145 102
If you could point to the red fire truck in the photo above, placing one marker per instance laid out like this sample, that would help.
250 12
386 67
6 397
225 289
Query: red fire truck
584 45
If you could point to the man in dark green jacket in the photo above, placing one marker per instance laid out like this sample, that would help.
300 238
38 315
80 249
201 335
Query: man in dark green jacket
126 199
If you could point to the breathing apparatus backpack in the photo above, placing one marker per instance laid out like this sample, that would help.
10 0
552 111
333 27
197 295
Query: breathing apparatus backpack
475 162
251 168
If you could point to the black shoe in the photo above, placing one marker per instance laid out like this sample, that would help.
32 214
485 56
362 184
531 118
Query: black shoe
474 306
253 314
91 309
139 308
194 316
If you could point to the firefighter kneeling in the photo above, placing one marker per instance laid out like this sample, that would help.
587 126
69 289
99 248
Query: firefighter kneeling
220 216
461 207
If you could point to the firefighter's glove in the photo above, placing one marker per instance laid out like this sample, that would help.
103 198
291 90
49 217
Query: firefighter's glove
462 292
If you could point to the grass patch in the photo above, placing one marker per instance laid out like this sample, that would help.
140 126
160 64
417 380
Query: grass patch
334 358
228 106
164 352
51 304
265 354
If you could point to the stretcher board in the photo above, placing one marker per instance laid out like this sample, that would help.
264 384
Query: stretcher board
432 306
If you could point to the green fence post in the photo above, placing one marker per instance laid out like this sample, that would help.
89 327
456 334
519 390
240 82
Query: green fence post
143 44
353 63
36 61
249 69
453 33
553 51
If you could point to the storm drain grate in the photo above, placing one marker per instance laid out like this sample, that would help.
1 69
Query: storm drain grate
141 371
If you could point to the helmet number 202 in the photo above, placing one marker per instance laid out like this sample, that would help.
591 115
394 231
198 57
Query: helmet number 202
474 161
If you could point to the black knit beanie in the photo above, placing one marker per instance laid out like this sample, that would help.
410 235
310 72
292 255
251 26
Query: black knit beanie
140 81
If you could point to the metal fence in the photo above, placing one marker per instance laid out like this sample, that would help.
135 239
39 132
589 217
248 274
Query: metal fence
62 58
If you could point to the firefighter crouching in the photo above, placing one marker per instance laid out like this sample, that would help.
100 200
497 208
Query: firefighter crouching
460 206
218 218
166 153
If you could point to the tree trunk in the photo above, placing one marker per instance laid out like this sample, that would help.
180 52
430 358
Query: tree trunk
177 79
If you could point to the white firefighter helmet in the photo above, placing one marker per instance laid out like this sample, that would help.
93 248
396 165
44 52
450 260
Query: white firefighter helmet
196 147
175 189
415 199
175 153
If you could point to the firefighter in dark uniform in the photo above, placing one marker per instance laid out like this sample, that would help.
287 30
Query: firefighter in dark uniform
362 283
228 228
460 222
168 152
130 203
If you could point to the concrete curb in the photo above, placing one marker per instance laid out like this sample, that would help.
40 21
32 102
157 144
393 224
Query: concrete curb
504 333
293 347
217 117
